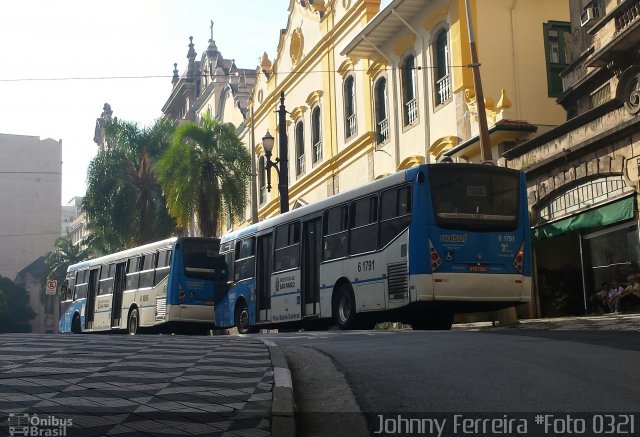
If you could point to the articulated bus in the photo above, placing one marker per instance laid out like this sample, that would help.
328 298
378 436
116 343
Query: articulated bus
416 247
170 283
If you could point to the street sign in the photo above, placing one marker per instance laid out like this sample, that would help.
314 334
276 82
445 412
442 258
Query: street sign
52 286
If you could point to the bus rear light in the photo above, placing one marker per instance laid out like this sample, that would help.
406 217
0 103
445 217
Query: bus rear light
517 261
435 257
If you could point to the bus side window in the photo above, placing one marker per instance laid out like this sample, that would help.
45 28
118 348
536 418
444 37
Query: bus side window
334 241
245 259
147 270
395 213
363 232
287 252
162 269
105 286
81 286
132 273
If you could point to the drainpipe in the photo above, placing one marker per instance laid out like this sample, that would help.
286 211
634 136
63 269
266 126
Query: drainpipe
427 133
396 131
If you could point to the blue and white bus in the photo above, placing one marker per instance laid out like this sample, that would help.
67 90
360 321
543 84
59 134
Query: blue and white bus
417 247
170 282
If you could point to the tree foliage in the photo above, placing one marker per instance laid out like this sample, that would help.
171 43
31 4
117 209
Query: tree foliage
204 173
18 312
124 204
65 254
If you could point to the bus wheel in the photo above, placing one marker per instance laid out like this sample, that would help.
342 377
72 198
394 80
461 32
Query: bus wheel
344 307
242 319
75 324
133 325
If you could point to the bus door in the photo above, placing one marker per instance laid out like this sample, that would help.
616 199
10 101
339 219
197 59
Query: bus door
311 256
264 263
92 289
66 299
119 284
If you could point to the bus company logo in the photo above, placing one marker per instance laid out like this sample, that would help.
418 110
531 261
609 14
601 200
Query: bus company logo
285 282
453 238
28 425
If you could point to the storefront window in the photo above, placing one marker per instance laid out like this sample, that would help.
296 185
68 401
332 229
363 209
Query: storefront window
611 254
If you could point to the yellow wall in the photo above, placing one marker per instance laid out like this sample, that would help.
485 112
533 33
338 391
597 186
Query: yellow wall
519 68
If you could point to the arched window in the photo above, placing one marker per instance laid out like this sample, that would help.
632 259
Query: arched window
382 115
442 78
409 90
262 179
316 135
299 148
349 107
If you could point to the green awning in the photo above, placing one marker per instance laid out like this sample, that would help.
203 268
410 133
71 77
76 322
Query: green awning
605 215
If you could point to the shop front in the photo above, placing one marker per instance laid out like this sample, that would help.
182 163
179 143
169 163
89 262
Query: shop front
581 238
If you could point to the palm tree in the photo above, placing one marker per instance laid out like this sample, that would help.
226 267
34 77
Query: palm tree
124 202
205 169
65 254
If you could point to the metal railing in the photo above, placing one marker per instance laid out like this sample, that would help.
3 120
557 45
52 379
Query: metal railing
383 131
300 166
443 86
412 111
351 125
583 196
317 151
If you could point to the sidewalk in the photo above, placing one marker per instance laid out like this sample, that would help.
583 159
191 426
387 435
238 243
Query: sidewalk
605 322
94 385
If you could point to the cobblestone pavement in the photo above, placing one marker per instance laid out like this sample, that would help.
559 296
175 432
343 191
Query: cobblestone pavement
93 385
605 322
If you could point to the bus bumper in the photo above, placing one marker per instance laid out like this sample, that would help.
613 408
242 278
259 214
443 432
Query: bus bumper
190 313
471 287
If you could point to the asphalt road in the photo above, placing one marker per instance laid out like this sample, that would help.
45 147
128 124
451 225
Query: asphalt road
504 372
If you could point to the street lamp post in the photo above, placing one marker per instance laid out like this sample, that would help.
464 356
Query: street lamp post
280 163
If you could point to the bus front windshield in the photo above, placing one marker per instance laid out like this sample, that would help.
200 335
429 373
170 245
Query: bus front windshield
478 197
202 258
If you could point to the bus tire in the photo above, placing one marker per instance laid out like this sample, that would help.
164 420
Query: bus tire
344 307
133 322
75 324
242 319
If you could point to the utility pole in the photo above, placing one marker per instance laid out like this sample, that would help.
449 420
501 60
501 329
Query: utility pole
485 144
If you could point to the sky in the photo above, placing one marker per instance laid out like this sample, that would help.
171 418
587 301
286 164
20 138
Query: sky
65 40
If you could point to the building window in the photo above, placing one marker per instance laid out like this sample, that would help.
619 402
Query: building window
442 76
262 185
409 90
299 147
316 135
557 37
382 116
349 106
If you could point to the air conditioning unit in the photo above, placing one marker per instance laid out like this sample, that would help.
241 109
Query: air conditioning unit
588 16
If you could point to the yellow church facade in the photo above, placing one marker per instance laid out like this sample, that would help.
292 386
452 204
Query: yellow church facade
371 91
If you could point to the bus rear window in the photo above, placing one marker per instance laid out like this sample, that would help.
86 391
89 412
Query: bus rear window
201 257
474 198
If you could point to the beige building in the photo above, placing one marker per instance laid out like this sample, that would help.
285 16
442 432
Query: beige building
583 174
31 181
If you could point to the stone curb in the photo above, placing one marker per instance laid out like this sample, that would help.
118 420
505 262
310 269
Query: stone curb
283 422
